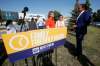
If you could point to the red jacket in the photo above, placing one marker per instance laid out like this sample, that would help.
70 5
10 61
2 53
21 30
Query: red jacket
50 23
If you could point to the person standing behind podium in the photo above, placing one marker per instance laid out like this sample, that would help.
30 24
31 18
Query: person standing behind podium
83 20
32 24
50 23
10 27
40 23
19 25
60 23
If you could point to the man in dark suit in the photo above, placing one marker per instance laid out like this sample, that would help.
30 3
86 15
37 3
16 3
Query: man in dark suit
83 20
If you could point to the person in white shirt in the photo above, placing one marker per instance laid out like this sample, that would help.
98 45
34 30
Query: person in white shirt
20 27
40 23
10 27
60 23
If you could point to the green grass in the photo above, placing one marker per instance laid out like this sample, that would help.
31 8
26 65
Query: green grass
91 49
91 44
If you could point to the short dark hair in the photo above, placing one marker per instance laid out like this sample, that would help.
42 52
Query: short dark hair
32 19
84 6
8 22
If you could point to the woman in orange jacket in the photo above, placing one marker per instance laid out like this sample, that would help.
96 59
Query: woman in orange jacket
50 23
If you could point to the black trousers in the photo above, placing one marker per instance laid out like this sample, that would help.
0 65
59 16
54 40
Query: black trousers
79 39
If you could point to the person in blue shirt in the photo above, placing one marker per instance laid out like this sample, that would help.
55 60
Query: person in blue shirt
83 20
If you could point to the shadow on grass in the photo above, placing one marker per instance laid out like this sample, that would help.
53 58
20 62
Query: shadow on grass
71 48
45 59
84 61
2 60
47 62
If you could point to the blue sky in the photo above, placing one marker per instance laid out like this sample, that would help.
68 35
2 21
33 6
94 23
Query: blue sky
43 6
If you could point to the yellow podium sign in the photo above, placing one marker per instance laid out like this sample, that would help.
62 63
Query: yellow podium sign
30 39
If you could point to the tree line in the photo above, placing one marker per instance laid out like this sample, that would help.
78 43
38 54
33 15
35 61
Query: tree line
96 16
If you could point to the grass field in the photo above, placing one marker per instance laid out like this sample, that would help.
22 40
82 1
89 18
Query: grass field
91 51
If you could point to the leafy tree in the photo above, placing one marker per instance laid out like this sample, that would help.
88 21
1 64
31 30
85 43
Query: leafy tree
88 3
74 16
75 13
98 11
0 16
57 14
96 16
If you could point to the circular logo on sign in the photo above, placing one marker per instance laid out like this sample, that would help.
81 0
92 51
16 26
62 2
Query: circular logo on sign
19 42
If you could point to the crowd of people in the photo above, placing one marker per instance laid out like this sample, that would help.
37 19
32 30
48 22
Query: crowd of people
82 22
35 23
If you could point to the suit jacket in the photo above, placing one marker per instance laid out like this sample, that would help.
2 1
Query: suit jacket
82 22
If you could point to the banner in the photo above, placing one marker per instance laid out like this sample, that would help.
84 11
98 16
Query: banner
25 44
